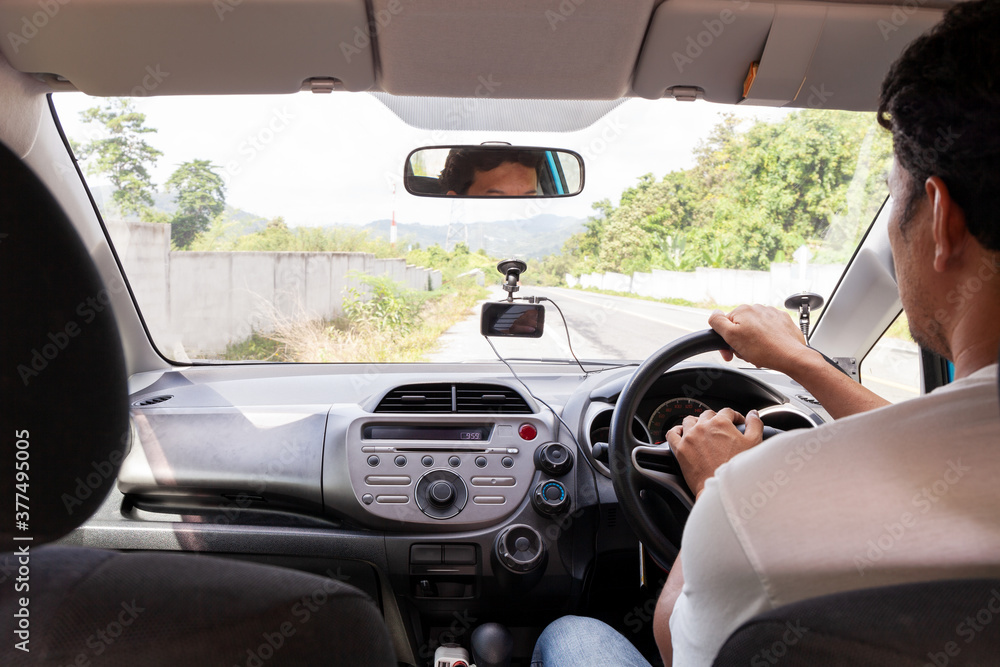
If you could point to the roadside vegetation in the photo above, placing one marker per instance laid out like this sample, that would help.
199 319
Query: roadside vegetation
381 321
756 193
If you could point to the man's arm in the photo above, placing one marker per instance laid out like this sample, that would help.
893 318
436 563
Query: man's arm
767 337
711 594
665 608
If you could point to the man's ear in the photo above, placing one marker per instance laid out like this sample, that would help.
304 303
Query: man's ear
947 223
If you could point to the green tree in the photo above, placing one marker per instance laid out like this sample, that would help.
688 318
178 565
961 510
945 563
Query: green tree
201 196
121 154
755 193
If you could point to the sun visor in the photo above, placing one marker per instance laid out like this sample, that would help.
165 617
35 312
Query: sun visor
810 54
777 77
516 50
183 47
705 44
855 51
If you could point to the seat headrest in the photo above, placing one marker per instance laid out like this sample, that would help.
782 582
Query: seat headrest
64 411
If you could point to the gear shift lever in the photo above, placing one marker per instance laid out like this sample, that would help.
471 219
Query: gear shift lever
492 645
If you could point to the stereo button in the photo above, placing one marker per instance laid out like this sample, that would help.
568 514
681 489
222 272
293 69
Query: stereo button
489 500
493 481
387 480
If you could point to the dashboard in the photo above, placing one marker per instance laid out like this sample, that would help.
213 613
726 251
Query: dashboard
439 487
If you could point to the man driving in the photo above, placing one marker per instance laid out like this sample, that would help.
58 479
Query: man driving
480 172
885 494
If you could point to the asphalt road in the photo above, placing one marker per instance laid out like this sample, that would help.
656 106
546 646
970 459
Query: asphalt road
622 328
600 327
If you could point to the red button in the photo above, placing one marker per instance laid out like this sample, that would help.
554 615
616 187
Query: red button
527 432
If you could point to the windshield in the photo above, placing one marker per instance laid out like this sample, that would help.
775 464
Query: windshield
278 228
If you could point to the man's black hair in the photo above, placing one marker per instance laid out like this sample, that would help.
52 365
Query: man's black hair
941 100
462 164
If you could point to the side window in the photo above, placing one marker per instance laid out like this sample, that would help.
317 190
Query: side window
892 368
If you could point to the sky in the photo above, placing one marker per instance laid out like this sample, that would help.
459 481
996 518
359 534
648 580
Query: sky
337 158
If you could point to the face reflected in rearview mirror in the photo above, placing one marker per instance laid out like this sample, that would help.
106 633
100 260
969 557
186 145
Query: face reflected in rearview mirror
517 320
511 172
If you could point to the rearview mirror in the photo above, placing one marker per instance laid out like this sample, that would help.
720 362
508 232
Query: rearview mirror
517 320
493 171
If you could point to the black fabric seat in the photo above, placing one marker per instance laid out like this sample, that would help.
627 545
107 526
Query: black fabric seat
182 609
64 415
910 625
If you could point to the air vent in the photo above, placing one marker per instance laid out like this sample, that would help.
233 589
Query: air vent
146 402
417 398
808 399
489 398
453 398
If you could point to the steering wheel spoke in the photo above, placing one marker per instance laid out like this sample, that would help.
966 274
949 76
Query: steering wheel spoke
636 466
658 463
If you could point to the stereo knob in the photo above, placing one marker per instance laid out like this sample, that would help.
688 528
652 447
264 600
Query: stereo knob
441 493
553 458
550 498
519 548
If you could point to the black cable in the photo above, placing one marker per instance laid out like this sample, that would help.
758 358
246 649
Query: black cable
539 299
579 447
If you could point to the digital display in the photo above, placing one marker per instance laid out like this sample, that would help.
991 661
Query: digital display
475 432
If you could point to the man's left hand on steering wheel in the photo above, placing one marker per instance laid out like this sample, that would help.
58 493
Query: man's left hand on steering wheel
703 443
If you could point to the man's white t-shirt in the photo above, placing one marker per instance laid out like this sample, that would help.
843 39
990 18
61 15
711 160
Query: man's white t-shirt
909 492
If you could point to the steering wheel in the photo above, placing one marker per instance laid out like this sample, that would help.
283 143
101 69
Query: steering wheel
641 471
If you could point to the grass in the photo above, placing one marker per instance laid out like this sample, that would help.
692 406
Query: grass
416 321
257 346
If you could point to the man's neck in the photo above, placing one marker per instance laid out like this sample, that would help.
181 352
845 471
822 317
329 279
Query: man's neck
976 336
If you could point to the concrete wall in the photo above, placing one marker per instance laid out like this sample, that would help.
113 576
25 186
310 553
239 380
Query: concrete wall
722 286
195 303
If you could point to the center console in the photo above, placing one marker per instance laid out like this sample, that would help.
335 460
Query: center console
451 471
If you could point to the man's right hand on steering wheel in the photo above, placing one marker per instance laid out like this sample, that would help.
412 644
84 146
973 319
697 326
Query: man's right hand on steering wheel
703 443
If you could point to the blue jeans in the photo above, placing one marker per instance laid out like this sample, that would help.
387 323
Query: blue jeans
578 641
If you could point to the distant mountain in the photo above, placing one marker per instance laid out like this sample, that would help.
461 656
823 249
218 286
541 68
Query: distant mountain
531 238
246 222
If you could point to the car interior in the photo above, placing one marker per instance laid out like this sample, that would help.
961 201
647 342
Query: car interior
389 513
